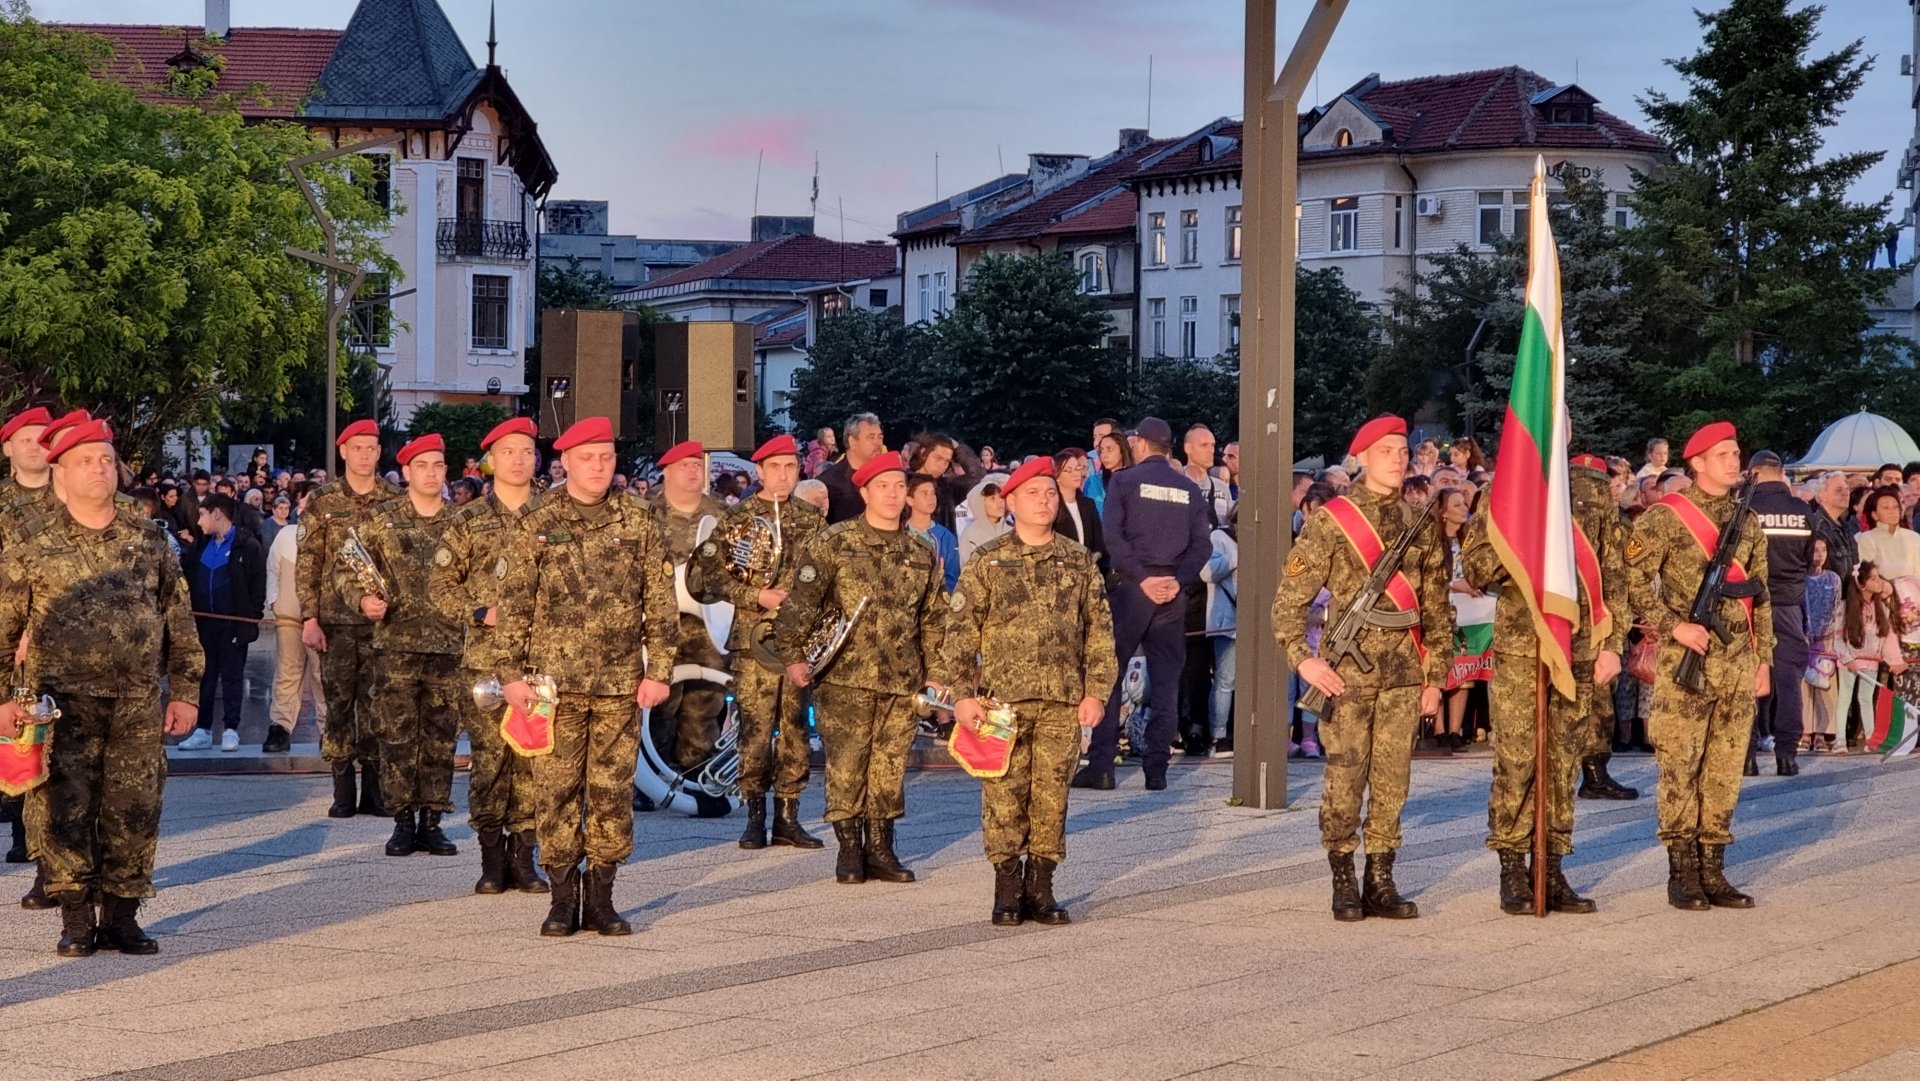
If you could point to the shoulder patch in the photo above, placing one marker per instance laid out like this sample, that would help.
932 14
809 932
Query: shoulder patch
958 601
500 567
809 573
709 549
1635 547
1296 566
443 557
300 533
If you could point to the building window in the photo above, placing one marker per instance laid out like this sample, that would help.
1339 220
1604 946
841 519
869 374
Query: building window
1093 273
940 291
1157 315
470 191
1157 237
1230 321
1399 221
377 181
1570 114
1491 206
1189 236
490 323
1189 327
926 311
1622 210
835 304
370 326
1520 222
1233 234
1343 224
1343 137
877 299
1120 343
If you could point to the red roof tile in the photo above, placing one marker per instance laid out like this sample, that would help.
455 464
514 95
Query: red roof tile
1185 161
935 224
789 259
789 328
1484 110
1115 214
1063 209
271 69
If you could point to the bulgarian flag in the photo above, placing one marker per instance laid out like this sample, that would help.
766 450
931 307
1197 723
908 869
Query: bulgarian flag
1894 725
1530 515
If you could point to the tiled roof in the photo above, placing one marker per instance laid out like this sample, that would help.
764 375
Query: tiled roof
1185 160
399 60
1482 110
1114 214
1057 211
783 329
935 224
271 69
793 259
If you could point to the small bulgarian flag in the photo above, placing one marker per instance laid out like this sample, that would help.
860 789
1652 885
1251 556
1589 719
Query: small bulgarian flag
1894 724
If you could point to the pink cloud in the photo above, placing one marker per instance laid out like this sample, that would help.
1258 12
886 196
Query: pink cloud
786 139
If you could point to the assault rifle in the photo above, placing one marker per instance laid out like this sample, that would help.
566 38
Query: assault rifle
1714 588
1342 639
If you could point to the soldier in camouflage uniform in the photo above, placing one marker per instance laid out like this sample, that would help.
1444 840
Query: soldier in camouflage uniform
27 482
1700 740
863 702
1597 641
466 586
588 600
416 651
773 723
1372 716
341 634
100 598
1029 624
687 726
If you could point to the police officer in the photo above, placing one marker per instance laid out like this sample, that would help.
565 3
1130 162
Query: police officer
1787 521
1156 528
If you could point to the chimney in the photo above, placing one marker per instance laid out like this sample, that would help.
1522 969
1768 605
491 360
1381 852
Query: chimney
219 18
1133 139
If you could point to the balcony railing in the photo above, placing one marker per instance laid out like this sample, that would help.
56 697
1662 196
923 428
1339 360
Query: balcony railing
471 238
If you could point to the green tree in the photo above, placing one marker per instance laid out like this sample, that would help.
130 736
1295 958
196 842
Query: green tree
461 425
143 269
1333 338
1750 261
571 286
862 362
1183 393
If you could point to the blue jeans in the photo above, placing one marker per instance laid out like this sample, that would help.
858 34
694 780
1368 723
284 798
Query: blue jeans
1221 708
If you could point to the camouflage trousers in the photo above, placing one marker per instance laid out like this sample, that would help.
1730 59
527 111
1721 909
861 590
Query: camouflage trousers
1024 813
499 782
590 772
1510 701
773 731
867 735
687 725
1367 734
346 679
95 823
1700 746
419 697
1598 731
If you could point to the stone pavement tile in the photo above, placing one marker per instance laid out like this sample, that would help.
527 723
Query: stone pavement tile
73 1045
1577 986
1899 1066
828 984
1614 1027
358 1069
805 1054
21 1070
670 1052
1390 1043
1241 1071
1478 1064
537 1041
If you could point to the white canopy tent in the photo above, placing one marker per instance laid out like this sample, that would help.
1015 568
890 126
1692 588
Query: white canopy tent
1861 441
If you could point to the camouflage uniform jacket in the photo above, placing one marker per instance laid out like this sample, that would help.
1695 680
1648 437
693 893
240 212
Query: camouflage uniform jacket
406 547
1665 565
100 605
469 578
24 511
897 639
799 521
1034 619
1599 519
587 587
1322 557
333 509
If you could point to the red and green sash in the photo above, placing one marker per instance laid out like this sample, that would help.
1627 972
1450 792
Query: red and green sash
1707 535
1587 565
1367 545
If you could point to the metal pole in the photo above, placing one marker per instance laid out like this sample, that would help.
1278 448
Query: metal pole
1270 188
1540 782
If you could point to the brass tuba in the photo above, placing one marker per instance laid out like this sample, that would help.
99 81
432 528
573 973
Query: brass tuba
353 552
754 546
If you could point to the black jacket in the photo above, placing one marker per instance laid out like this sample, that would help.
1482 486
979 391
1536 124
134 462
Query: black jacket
1156 523
1843 551
1788 523
247 572
1090 537
843 499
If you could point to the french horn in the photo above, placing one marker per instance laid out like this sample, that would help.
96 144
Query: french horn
753 547
359 561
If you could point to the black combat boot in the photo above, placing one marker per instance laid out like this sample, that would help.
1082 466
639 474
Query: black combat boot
401 843
15 814
1560 895
1516 885
641 801
36 899
1099 780
119 930
1037 903
1713 879
563 914
1380 897
1786 764
851 865
1006 893
372 801
787 830
429 839
754 837
521 873
882 864
596 907
1753 765
1683 878
1346 889
493 862
343 796
77 930
1597 783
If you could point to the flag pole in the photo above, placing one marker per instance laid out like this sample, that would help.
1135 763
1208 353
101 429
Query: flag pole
1540 782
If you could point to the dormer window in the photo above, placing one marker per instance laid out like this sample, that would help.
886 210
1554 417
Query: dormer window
1570 114
1343 137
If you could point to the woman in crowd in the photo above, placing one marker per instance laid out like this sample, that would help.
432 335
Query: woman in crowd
1114 456
1426 459
1222 582
1892 547
1826 685
1472 621
1466 456
1079 518
989 460
935 455
1869 641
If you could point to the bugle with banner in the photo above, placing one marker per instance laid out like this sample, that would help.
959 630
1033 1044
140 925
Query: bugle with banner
985 751
528 732
23 757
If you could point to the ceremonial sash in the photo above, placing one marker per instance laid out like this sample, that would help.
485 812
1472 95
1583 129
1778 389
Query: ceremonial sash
1366 544
1707 535
1587 565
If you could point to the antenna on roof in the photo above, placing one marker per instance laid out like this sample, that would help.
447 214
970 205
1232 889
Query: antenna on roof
1576 69
491 42
1149 91
1000 158
813 208
759 160
936 175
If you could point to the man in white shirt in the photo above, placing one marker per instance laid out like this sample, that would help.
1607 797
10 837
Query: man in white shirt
296 669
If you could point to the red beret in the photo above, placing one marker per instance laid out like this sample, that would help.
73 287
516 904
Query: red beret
73 435
516 426
78 416
1375 430
1591 461
590 430
26 419
886 463
778 445
681 451
358 427
1703 440
1035 468
417 447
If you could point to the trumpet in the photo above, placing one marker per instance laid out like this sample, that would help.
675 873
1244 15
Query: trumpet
490 694
1001 719
366 573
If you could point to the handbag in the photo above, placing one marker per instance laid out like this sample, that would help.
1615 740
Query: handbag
1643 658
1820 670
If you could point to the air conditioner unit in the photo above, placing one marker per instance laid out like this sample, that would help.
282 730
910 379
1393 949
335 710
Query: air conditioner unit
1427 206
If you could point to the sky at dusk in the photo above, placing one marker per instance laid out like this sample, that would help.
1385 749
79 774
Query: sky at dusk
661 107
